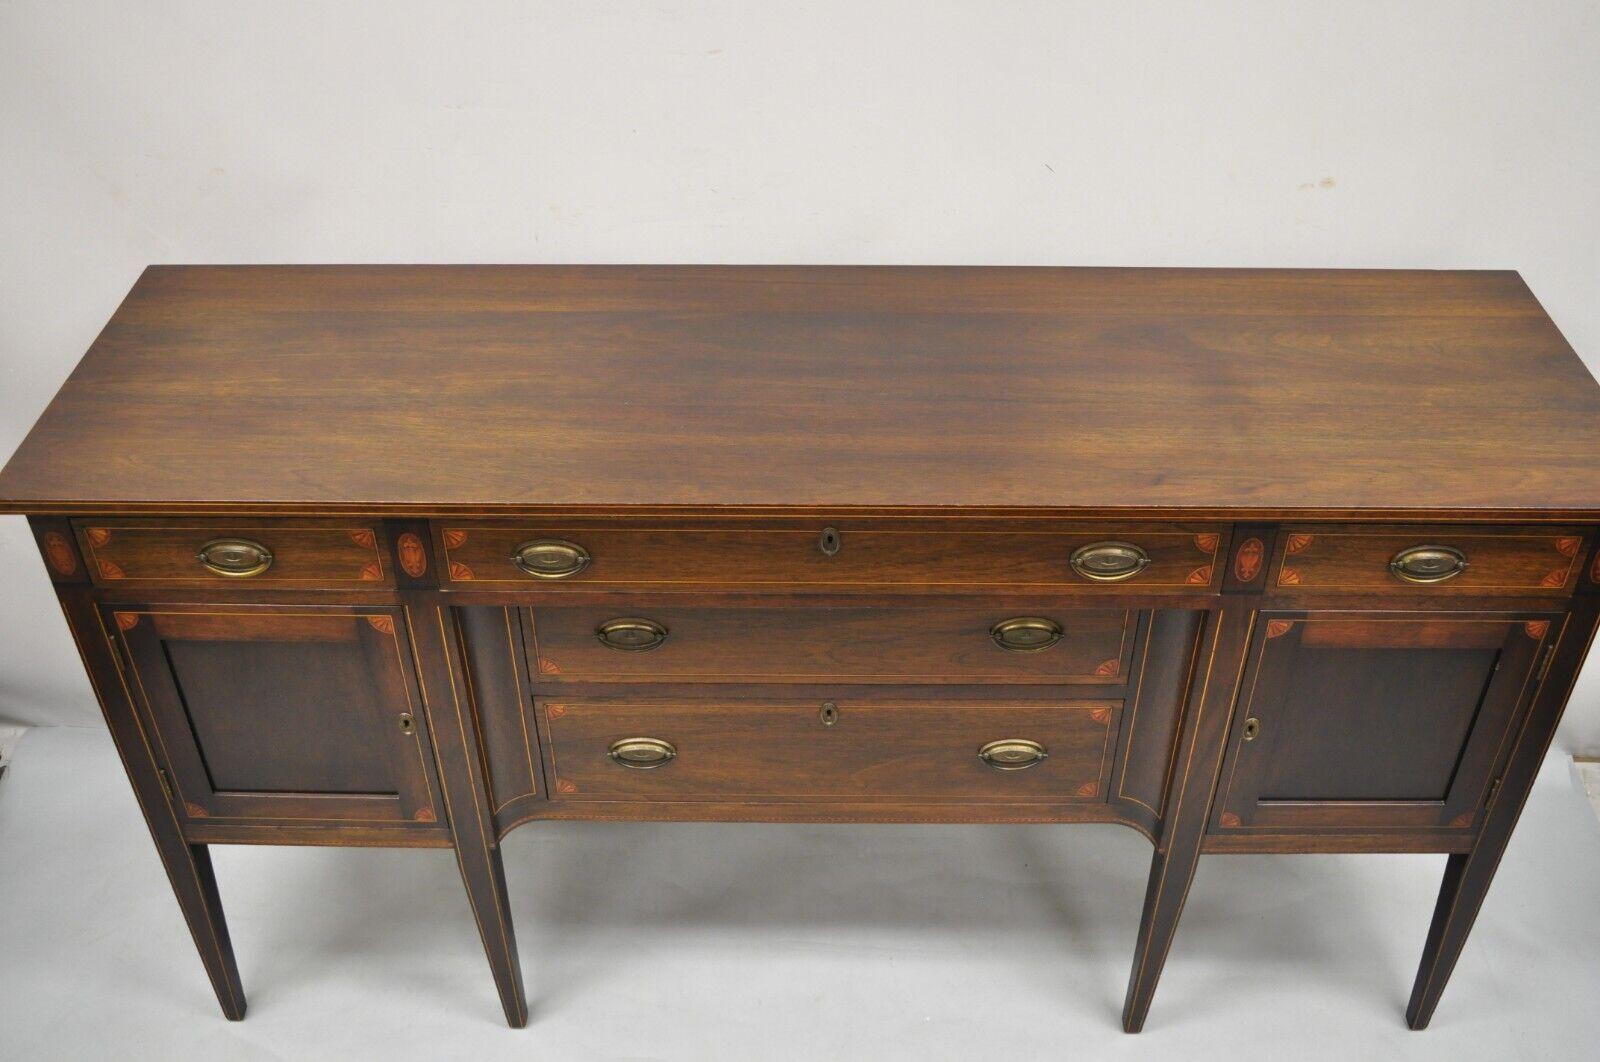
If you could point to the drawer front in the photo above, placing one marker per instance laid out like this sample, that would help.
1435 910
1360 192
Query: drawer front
868 752
194 553
1169 558
878 644
1429 559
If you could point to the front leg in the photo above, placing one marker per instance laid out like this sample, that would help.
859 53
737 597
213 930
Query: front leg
466 798
1468 875
1223 646
188 866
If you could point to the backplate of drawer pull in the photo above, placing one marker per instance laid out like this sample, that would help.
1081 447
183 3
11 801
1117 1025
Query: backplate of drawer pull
1026 634
551 558
235 558
1109 562
1428 564
631 635
1012 754
642 753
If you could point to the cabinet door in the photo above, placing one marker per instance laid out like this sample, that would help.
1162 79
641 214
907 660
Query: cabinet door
304 715
1370 721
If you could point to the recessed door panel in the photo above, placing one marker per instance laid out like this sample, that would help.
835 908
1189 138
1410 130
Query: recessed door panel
296 714
1376 720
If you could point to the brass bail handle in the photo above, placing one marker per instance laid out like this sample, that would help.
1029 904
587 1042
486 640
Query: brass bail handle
1428 564
235 558
551 558
642 753
1109 562
631 634
1026 634
1012 754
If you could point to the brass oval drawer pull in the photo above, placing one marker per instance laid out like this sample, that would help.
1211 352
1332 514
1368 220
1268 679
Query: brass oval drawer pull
1026 634
1428 564
1012 754
631 635
236 558
1109 562
642 753
551 558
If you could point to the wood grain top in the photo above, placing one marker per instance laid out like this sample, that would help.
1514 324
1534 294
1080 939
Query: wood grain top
511 388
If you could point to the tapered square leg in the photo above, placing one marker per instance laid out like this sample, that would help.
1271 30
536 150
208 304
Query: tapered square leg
1468 875
1460 895
1199 757
188 866
484 875
456 743
1170 878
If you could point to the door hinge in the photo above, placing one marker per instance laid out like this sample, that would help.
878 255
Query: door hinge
1488 796
166 782
1549 658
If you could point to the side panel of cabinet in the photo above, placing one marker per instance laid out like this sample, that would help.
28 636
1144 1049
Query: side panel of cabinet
1370 720
304 715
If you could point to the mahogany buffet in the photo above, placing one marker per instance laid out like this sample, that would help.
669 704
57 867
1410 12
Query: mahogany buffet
1248 561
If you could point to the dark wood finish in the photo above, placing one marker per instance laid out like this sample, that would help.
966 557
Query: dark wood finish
1468 874
1376 720
790 644
784 751
458 742
188 865
827 485
482 388
871 554
492 643
341 554
298 715
1160 680
1356 558
1223 643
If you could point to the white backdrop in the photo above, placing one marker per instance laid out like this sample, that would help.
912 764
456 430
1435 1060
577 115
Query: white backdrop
986 132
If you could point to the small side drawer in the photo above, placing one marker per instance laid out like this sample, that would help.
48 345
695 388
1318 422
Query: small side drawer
790 751
177 552
1428 559
846 555
651 641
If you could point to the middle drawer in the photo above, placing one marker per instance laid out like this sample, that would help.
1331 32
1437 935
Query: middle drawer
795 751
859 644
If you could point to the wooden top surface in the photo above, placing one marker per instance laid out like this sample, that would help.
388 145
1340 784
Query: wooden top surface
510 388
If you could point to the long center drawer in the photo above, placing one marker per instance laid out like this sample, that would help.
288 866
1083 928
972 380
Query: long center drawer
674 643
850 751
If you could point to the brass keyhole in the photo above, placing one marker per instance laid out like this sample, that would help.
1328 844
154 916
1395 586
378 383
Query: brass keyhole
828 543
829 713
1252 727
408 725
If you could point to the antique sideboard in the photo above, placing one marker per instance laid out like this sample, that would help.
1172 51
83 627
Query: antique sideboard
1248 561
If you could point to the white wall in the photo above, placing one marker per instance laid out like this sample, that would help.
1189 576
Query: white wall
1271 134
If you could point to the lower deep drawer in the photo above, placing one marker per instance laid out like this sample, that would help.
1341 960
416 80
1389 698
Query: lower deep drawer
813 751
